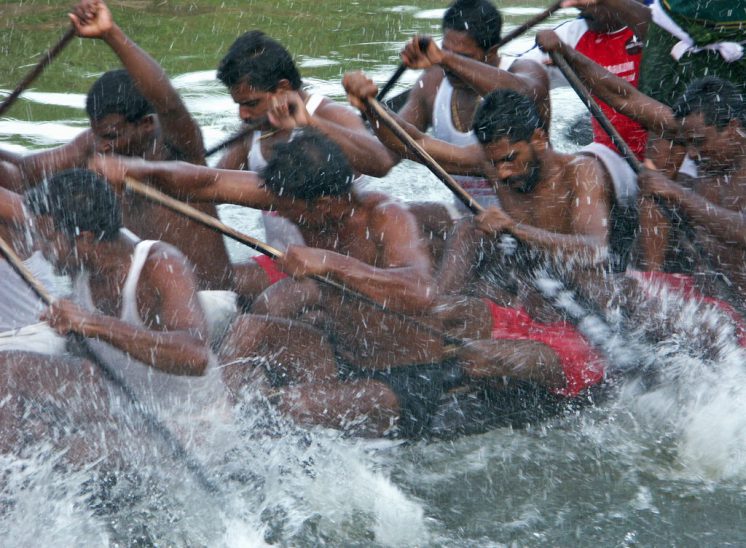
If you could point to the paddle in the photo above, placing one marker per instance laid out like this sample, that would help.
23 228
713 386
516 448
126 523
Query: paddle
38 69
577 85
423 155
512 35
177 449
236 137
215 224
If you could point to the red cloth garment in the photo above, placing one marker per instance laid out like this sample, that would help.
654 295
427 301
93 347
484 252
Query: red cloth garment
618 54
582 365
270 268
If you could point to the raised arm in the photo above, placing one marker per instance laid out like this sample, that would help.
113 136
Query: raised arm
403 281
12 211
454 159
363 150
92 19
616 92
525 77
174 338
188 181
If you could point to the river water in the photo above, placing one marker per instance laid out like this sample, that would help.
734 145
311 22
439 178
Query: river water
654 465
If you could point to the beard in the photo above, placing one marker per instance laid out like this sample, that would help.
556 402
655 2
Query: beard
527 182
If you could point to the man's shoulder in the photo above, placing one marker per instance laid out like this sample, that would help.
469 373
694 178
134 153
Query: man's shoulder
584 171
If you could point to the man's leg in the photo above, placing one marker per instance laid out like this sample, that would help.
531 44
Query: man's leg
293 352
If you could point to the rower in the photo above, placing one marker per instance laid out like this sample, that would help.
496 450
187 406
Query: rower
262 76
611 33
381 368
708 120
458 75
559 203
135 299
136 112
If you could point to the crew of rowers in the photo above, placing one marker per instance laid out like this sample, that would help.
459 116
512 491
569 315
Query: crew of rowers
435 299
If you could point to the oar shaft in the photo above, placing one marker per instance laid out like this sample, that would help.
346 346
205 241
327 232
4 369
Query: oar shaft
424 156
572 78
17 264
538 18
235 138
37 70
160 198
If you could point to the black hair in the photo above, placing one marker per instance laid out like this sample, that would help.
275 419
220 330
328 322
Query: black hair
506 113
307 167
477 18
718 100
78 201
116 93
259 59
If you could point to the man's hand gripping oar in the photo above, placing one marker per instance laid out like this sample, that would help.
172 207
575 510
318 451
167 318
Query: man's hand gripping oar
177 449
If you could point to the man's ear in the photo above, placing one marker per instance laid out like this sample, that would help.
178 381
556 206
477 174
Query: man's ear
539 139
491 57
284 85
147 122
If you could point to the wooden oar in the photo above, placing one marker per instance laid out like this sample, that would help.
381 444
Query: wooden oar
236 137
423 155
38 69
215 224
512 35
577 85
177 449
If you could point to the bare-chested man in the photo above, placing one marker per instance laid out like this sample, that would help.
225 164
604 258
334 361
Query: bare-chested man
136 112
560 203
381 366
708 121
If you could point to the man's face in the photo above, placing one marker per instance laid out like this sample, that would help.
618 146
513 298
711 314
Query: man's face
115 135
712 148
253 104
601 19
461 43
513 164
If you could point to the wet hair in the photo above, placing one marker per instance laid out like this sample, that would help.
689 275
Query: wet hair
116 93
506 113
260 60
78 201
308 167
477 18
718 100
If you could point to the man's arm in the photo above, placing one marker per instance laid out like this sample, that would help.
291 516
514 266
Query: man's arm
403 284
175 337
525 77
616 92
726 225
188 181
418 109
33 168
92 19
12 211
363 150
454 159
589 233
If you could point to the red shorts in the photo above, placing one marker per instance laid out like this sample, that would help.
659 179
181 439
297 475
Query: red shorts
582 365
270 268
683 284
